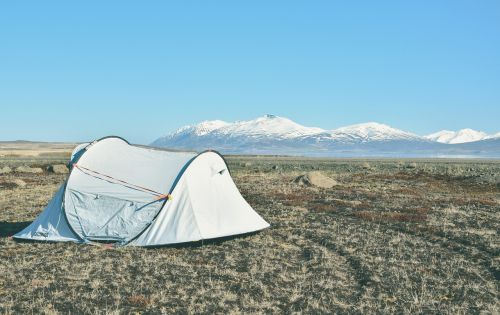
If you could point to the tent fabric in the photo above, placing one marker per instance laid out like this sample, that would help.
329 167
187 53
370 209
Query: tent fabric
108 195
51 225
117 192
206 204
78 151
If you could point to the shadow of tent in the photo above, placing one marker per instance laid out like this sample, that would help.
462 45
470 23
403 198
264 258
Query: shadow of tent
10 228
213 241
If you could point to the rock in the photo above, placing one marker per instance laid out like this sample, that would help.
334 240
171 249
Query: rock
58 169
366 166
246 164
316 179
412 165
19 182
27 169
275 167
303 180
5 170
12 184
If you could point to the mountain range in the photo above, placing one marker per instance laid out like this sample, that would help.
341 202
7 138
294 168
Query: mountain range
461 136
276 135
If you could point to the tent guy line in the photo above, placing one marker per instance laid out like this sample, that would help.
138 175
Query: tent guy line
159 195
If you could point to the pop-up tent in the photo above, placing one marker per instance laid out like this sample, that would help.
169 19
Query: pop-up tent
139 196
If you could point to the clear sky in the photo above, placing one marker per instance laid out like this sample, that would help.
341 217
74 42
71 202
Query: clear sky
78 70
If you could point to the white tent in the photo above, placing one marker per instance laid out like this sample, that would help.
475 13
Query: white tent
130 195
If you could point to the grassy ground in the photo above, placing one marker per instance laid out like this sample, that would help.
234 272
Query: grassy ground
392 236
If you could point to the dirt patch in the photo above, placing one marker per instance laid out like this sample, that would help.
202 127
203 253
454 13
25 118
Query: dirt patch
9 184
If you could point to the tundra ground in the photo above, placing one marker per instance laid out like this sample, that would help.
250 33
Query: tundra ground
391 236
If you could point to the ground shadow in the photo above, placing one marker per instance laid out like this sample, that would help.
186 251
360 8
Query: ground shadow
10 228
212 241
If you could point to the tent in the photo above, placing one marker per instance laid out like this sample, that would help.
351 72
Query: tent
141 196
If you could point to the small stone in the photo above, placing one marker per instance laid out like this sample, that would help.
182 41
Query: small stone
5 170
412 165
19 182
316 179
27 169
11 184
58 169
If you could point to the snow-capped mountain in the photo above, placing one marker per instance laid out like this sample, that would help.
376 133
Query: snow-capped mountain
280 128
201 129
271 134
267 126
495 136
372 131
461 136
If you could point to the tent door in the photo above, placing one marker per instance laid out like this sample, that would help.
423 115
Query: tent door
107 218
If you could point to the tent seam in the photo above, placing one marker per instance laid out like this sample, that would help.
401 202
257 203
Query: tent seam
194 213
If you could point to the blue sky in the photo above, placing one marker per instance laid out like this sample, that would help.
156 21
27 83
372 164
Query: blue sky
74 71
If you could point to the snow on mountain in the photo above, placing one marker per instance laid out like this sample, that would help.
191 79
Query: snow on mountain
271 134
372 131
267 126
461 136
202 128
495 136
275 132
443 136
280 128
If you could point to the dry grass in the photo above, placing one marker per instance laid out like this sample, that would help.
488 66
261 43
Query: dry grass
20 149
388 239
391 216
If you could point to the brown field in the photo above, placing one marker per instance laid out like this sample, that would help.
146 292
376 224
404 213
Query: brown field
34 150
393 236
